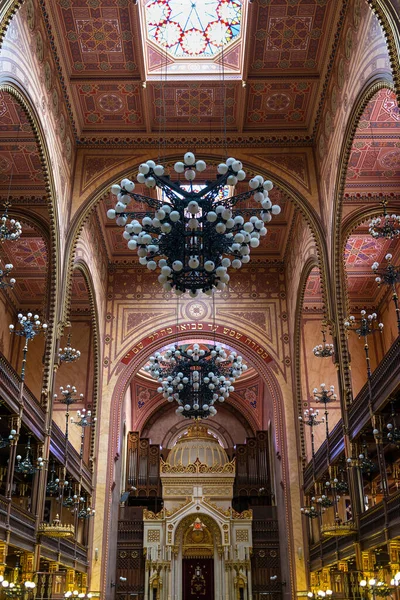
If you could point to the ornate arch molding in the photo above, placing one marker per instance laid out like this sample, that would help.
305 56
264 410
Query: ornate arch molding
188 520
54 251
6 14
279 426
308 212
369 90
308 267
390 23
81 266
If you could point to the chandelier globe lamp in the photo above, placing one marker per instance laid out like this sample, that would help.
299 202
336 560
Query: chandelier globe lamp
389 275
4 274
68 354
323 350
194 235
196 377
386 226
10 229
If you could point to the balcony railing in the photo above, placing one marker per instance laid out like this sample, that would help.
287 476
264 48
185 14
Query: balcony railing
385 381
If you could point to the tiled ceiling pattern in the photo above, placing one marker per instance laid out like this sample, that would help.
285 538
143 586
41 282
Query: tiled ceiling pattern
21 172
280 73
29 258
80 302
361 251
374 164
374 169
312 293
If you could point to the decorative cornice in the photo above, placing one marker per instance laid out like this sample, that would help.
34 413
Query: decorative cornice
197 467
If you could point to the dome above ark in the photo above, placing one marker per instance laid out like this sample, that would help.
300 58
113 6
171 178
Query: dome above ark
197 444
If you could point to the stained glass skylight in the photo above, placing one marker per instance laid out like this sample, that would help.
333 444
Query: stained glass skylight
193 28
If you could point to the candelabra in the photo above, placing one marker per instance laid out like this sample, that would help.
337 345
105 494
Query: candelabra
53 484
25 465
77 594
366 464
311 419
68 397
393 430
325 397
68 354
192 228
4 273
85 420
4 442
323 350
10 229
85 512
389 275
71 499
320 594
375 588
16 590
310 511
364 326
30 326
386 226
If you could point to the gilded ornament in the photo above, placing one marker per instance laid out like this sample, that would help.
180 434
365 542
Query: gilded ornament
349 44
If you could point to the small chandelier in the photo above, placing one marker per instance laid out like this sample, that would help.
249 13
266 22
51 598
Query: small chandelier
53 484
86 511
68 354
4 273
10 229
310 511
386 226
389 275
323 350
25 465
196 378
393 430
195 230
85 419
6 441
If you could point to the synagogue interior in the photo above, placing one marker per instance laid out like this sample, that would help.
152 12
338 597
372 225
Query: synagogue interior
199 312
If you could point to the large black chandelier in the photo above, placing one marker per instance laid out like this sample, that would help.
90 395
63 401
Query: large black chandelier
193 233
196 378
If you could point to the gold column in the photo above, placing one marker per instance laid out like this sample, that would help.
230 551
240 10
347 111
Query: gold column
394 556
27 564
3 557
70 580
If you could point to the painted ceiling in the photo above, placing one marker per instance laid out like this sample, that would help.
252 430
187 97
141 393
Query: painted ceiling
138 67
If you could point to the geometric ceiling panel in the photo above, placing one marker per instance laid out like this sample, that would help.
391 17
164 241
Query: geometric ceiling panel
289 36
20 165
363 250
374 165
313 290
111 105
99 37
27 253
282 103
193 104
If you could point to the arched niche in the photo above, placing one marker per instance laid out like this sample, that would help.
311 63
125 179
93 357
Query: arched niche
31 255
81 331
373 172
314 369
